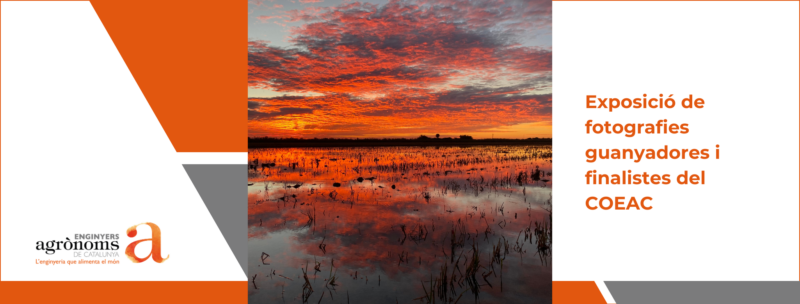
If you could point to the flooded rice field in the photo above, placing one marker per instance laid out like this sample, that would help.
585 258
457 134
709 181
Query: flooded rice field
400 225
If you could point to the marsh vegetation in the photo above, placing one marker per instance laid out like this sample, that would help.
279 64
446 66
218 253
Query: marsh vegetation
400 224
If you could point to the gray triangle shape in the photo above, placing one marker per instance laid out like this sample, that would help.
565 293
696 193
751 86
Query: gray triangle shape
223 189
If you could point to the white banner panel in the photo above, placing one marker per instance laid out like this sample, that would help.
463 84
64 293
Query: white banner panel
83 153
741 58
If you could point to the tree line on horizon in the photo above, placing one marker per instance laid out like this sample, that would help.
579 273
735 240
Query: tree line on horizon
420 138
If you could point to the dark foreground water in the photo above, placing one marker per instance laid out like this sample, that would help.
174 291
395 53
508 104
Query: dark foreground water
400 225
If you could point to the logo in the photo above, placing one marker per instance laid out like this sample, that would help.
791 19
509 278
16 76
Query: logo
155 250
89 242
99 248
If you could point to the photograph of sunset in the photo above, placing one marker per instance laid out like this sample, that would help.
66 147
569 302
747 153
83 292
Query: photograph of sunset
399 69
399 151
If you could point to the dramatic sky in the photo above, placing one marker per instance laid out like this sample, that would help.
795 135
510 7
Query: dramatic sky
333 68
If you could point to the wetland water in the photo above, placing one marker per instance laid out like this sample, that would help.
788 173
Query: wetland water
400 225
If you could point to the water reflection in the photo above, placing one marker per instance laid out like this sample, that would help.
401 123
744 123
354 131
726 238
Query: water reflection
400 224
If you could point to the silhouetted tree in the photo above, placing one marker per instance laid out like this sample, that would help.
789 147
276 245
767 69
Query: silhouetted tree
465 137
423 137
437 135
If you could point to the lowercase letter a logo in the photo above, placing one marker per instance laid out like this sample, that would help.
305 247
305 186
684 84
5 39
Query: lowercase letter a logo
156 249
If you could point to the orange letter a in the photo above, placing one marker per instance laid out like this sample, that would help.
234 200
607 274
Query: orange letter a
155 251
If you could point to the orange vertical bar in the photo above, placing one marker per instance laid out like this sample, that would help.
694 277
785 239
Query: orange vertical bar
1 246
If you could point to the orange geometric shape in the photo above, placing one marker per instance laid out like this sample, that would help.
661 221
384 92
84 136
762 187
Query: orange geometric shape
577 292
189 58
124 292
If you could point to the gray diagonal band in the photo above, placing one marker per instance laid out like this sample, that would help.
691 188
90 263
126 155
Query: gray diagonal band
223 189
705 292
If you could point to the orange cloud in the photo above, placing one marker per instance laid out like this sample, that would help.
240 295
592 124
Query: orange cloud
402 68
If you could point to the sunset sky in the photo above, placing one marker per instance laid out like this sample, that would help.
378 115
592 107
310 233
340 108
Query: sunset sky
380 69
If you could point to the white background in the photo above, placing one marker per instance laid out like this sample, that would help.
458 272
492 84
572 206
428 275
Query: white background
742 58
82 152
